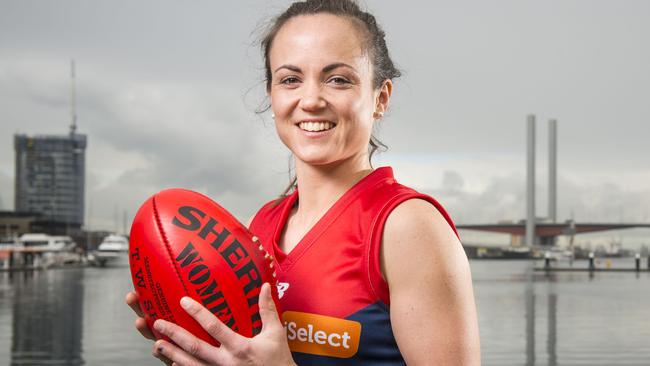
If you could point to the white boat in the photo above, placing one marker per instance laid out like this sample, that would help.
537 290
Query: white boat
47 250
559 254
113 250
47 243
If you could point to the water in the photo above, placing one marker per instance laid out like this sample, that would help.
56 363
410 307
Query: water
69 316
530 318
77 316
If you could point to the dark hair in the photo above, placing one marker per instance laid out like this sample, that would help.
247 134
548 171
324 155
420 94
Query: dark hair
375 44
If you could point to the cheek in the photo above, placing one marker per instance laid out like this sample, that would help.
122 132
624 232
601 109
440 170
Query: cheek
283 132
359 112
350 107
286 132
281 103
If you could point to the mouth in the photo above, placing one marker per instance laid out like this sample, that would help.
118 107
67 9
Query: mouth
316 126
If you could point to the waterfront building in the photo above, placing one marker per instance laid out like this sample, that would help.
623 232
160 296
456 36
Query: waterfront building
50 179
14 224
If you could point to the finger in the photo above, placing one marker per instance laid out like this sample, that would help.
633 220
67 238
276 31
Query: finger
132 300
141 326
192 345
162 358
165 360
268 311
217 329
173 354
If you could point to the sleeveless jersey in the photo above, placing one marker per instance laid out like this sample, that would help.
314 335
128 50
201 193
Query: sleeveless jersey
334 299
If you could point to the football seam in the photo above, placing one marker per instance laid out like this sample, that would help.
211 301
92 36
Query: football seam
167 247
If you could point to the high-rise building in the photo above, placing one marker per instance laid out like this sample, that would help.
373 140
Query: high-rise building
50 177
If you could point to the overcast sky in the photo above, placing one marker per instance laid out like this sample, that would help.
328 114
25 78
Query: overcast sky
167 93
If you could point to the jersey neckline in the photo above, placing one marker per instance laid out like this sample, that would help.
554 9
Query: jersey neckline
286 260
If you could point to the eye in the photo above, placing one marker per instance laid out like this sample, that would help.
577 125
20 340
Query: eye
339 80
289 80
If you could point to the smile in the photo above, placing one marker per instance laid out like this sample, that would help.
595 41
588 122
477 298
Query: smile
316 126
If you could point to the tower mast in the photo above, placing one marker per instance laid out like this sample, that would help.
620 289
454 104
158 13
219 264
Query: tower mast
73 100
530 182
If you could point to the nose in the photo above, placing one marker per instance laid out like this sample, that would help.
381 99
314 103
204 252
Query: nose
312 98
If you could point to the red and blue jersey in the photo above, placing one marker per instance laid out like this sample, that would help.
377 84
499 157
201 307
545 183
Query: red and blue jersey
334 299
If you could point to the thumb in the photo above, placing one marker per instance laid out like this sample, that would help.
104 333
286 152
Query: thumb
268 310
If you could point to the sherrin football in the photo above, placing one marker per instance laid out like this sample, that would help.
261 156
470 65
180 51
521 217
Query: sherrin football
184 244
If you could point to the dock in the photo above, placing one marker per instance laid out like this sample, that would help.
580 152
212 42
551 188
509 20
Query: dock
635 266
16 258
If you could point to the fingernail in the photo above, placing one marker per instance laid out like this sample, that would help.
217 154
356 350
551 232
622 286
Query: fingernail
159 347
186 302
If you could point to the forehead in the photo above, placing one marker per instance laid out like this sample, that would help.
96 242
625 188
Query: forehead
319 38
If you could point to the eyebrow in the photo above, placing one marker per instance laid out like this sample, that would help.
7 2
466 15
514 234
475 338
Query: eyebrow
327 68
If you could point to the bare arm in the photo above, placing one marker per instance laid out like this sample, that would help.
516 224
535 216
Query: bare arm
432 307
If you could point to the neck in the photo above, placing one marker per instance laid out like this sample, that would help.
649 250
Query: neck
322 185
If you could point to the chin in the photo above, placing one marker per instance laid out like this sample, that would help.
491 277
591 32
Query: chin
315 161
321 161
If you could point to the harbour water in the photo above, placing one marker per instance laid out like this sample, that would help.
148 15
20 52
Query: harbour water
74 316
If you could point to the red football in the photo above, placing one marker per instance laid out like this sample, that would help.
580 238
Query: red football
184 244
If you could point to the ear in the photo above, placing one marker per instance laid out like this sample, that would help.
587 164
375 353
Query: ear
382 98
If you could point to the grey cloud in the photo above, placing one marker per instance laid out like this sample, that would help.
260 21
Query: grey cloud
474 70
607 201
501 198
504 197
162 94
190 143
452 182
197 136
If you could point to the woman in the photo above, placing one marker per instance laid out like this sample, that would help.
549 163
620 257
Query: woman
370 271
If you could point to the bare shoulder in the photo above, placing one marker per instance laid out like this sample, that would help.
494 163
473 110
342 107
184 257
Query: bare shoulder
419 215
416 227
432 307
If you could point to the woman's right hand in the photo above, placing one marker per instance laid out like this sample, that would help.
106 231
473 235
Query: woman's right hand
131 299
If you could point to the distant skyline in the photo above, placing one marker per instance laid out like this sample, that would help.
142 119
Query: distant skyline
167 93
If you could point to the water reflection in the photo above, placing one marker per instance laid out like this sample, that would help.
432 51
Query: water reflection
47 318
551 343
530 321
531 317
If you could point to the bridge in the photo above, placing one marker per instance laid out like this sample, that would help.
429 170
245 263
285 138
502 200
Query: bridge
548 232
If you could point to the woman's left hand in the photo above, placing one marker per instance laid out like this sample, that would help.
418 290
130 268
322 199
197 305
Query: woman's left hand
267 348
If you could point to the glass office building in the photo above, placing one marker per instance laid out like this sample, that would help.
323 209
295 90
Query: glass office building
50 178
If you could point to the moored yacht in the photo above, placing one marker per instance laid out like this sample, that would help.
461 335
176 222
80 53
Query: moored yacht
113 251
47 250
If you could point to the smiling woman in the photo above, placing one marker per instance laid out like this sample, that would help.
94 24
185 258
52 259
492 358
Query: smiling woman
321 90
370 272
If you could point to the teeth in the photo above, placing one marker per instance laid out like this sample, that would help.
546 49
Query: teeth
315 126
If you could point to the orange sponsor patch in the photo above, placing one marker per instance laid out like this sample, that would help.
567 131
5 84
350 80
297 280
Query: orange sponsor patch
321 335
